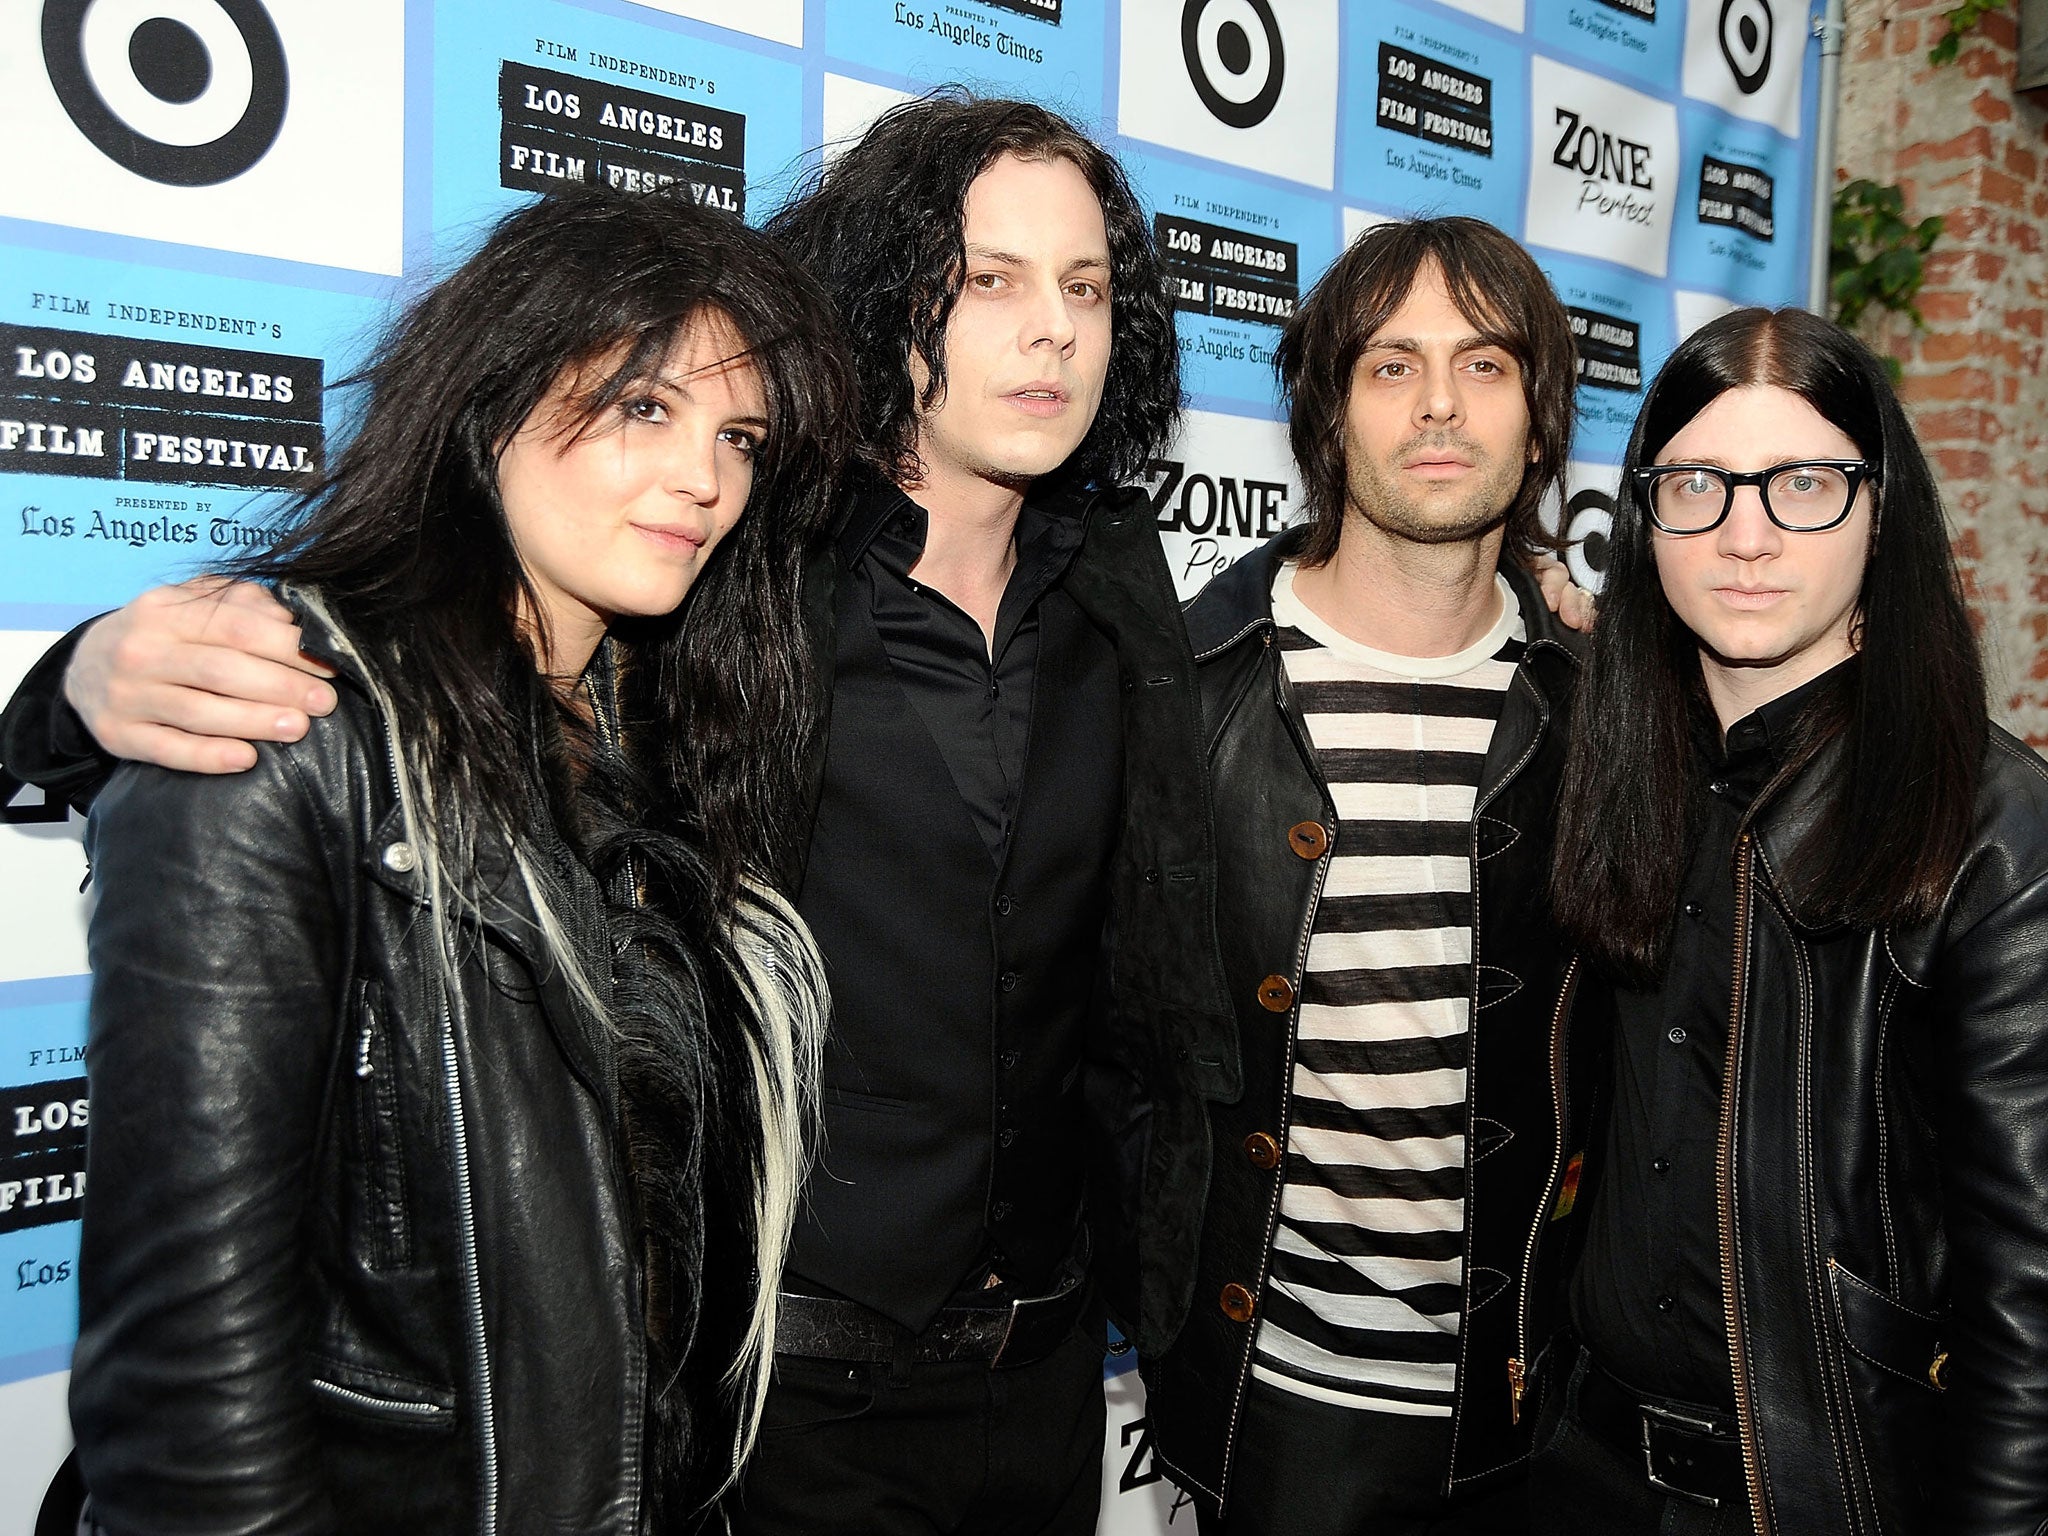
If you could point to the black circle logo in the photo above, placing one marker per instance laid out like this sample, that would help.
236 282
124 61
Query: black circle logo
1589 526
1235 58
1746 28
189 93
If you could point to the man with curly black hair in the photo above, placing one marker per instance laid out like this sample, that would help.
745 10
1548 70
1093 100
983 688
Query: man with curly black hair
989 774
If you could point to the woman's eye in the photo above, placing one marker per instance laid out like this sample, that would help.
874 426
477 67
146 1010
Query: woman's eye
644 408
742 439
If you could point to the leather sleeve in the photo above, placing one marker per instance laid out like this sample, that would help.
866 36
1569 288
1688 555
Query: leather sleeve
42 740
217 955
1990 991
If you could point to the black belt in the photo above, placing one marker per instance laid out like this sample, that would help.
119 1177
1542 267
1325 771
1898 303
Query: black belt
1024 1332
1692 1452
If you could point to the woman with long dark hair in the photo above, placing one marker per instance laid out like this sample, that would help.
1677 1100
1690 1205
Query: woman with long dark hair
450 1066
1809 1053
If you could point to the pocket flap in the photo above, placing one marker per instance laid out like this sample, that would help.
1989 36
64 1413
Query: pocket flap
1890 1335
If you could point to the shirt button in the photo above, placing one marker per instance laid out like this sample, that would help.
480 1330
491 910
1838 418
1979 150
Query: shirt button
1236 1303
1717 786
1694 910
1000 1211
1008 981
401 858
1010 1060
1276 994
1007 1136
1666 1303
1262 1150
1004 906
1675 1035
1661 1165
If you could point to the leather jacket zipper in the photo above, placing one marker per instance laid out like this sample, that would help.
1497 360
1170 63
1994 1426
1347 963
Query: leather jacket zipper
472 1285
409 1407
1518 1363
1724 1179
465 1206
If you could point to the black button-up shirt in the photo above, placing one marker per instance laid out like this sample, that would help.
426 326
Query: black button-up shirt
973 696
1646 1297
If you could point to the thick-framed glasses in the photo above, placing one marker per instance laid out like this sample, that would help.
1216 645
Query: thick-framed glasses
1804 496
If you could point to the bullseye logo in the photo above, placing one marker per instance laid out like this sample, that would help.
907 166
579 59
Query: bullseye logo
252 126
1745 38
185 92
1743 57
1256 86
1236 57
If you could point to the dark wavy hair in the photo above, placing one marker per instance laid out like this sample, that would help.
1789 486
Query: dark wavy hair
881 228
1909 728
1511 305
407 537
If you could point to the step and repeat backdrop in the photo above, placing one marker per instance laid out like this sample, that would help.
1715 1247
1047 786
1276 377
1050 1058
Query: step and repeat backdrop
212 206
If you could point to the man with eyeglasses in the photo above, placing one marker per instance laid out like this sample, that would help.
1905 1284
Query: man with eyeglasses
1806 1067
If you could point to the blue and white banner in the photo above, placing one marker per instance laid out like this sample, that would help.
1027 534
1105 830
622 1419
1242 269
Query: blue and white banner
213 206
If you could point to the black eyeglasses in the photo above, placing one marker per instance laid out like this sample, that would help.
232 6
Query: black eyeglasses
1805 496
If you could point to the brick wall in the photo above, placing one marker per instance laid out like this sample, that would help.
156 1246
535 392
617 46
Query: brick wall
1964 144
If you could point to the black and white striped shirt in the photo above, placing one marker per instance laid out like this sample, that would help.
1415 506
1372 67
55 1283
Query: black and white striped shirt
1362 1301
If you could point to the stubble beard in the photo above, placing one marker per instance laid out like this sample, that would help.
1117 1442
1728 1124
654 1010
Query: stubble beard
1448 516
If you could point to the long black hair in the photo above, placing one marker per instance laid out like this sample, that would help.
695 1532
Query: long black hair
1509 302
710 988
406 535
881 227
1904 740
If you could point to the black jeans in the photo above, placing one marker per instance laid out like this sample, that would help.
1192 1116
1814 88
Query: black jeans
870 1450
1308 1468
1580 1485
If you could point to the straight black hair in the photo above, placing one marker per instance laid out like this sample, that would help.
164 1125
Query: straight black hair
1901 743
1510 303
882 227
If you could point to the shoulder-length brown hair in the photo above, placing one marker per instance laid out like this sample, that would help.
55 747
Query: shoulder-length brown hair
1510 303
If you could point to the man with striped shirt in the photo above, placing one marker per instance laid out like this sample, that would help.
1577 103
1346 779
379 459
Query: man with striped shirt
1338 1343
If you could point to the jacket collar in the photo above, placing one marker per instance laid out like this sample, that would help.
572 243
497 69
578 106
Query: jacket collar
872 501
1240 601
502 903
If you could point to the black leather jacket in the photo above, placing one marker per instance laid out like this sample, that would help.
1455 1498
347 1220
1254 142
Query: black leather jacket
1214 1193
358 1255
1883 1176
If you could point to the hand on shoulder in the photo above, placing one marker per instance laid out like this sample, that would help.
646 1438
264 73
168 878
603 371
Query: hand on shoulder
189 676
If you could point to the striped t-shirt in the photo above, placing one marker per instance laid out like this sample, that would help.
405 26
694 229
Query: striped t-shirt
1362 1300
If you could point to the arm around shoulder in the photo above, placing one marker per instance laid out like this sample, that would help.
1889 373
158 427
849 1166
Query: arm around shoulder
42 740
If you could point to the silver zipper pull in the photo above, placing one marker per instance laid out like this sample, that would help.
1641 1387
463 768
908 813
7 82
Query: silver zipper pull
364 1066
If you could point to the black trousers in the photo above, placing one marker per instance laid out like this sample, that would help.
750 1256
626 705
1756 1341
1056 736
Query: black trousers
1580 1485
1309 1468
874 1450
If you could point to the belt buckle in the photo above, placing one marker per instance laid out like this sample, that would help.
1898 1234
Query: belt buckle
1655 1419
1009 1332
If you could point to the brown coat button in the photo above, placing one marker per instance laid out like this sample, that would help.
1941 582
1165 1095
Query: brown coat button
1262 1149
1308 838
1276 994
1236 1303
